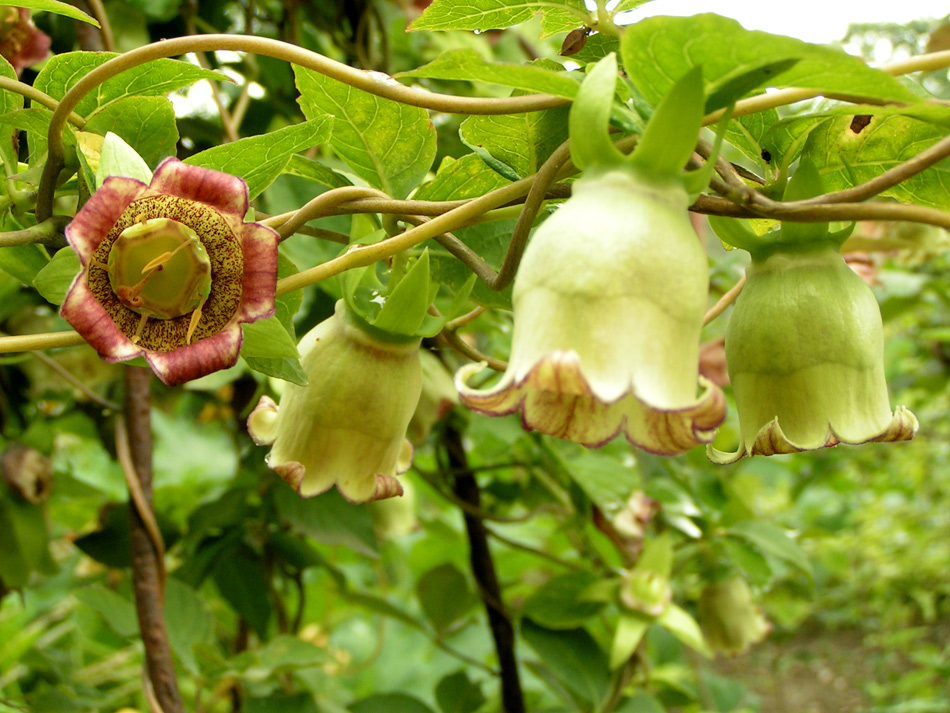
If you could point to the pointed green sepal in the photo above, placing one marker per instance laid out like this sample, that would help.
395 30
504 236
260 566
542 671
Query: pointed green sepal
117 158
735 232
671 134
697 181
589 121
805 183
657 556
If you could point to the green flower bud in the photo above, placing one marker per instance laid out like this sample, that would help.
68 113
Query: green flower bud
347 426
804 349
730 621
608 307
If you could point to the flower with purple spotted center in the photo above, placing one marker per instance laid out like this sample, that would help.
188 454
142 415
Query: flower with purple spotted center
170 270
21 43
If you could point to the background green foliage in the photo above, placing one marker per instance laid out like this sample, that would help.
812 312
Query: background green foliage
318 606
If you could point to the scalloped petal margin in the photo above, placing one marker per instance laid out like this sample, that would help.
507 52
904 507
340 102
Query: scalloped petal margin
100 213
555 398
771 440
225 193
262 427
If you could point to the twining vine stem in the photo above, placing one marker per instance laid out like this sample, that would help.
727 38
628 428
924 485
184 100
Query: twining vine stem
148 567
483 569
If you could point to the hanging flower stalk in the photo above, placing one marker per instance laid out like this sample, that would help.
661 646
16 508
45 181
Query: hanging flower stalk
610 296
805 343
170 270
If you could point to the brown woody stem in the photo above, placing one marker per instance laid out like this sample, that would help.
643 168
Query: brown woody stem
483 568
147 555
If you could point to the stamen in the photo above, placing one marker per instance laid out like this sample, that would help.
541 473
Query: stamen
138 329
193 323
157 262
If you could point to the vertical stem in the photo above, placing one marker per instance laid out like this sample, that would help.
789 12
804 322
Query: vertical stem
483 567
147 566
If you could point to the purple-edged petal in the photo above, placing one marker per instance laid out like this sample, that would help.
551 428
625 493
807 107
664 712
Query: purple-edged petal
225 193
259 245
100 214
199 359
83 311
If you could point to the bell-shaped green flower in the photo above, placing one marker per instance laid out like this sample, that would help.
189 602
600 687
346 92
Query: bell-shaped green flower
804 349
608 307
347 427
730 620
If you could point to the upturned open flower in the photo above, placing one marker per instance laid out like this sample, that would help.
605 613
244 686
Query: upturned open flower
170 270
21 43
608 307
804 349
729 618
347 426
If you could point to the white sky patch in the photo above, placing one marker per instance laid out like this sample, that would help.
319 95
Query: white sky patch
818 21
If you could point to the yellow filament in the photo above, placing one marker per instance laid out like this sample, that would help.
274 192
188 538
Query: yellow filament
156 263
193 324
138 329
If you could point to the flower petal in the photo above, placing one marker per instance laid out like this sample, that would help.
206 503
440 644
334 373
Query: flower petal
259 246
100 213
204 357
555 398
225 193
83 311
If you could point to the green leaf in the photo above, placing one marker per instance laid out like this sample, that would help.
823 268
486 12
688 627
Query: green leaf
9 102
590 118
242 580
458 179
390 145
329 519
457 693
603 477
316 172
657 556
671 134
54 279
281 654
736 85
285 368
117 158
559 603
440 607
468 65
773 541
657 50
280 702
515 145
749 560
747 133
118 612
846 155
631 628
147 124
190 622
684 627
267 338
481 15
24 542
56 7
260 159
573 656
389 703
23 262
